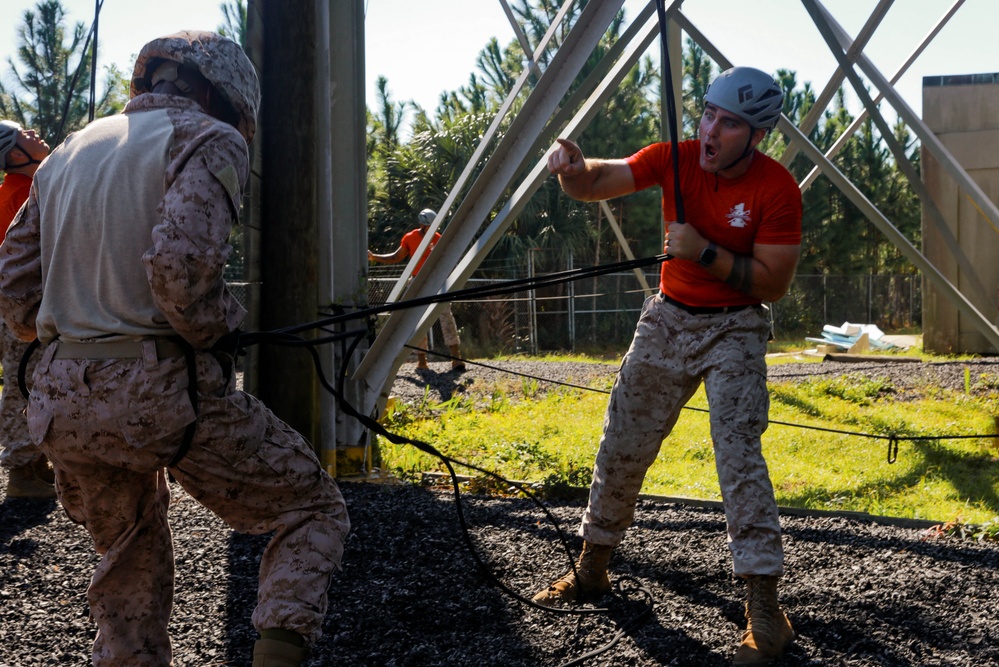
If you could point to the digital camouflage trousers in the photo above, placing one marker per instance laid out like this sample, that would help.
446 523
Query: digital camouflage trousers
672 353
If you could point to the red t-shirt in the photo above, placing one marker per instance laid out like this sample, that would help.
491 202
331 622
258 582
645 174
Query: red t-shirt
761 206
412 240
13 193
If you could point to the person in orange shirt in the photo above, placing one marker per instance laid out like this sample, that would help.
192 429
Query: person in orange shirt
29 474
738 248
21 151
408 246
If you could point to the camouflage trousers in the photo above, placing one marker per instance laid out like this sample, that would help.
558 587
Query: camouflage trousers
448 327
112 427
671 354
18 449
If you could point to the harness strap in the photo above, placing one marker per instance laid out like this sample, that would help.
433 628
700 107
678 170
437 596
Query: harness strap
192 393
22 368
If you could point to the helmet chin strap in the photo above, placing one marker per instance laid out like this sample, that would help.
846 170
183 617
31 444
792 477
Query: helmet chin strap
30 162
745 152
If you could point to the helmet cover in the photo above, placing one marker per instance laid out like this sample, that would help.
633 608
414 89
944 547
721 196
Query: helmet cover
219 59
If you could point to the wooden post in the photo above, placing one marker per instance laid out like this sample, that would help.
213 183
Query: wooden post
287 214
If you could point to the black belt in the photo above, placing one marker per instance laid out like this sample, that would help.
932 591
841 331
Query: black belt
705 310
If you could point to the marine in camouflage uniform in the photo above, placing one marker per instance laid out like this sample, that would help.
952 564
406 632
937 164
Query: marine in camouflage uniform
116 265
739 247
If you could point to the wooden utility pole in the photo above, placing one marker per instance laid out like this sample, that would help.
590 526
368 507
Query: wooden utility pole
306 237
285 212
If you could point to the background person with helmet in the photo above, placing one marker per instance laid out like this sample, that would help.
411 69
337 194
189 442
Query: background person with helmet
408 246
116 264
740 247
29 474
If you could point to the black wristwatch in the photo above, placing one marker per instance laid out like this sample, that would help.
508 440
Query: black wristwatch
708 255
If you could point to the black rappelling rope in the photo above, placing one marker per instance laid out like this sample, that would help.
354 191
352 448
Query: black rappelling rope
640 608
449 462
671 114
93 61
504 287
76 75
288 335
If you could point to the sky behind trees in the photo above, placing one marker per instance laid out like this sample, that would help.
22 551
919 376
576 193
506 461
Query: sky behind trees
426 47
430 46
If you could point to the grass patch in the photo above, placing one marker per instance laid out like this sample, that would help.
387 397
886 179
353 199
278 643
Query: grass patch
817 447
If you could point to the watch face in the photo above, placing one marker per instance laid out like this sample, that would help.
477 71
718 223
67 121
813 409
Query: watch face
708 255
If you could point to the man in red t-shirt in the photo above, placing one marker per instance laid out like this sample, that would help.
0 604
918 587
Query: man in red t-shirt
738 248
408 246
29 474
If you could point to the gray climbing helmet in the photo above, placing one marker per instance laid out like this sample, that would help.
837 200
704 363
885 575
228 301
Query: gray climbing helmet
9 132
749 93
427 216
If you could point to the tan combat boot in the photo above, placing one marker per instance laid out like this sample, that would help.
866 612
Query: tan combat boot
768 631
421 360
279 648
27 482
457 364
592 583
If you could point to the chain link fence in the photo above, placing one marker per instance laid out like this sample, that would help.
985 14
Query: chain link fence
598 315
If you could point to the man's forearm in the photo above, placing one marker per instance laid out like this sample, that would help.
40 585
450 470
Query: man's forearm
766 277
600 180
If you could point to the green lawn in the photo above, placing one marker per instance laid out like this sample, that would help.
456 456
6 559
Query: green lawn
552 439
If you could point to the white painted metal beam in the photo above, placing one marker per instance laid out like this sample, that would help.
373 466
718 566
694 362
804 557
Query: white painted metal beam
811 119
382 360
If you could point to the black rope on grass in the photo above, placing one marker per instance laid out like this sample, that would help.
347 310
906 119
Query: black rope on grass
892 438
416 348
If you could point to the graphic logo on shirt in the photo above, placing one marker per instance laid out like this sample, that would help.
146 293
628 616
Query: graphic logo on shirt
738 216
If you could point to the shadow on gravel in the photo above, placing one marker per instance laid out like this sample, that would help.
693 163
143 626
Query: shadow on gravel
18 516
410 594
241 595
859 594
444 385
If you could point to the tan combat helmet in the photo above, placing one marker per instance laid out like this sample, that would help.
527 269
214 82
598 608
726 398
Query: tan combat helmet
219 59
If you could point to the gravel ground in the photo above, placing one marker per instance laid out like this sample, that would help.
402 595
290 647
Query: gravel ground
858 592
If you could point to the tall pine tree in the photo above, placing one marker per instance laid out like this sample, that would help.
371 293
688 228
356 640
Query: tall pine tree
51 91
